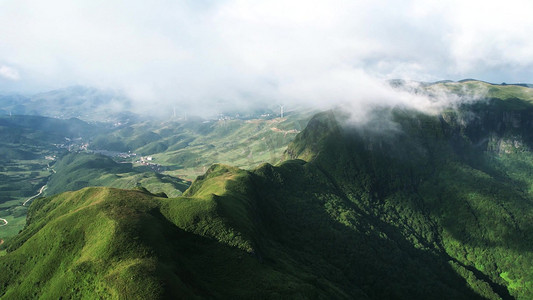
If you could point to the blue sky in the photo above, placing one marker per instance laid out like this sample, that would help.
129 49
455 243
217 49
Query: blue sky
235 50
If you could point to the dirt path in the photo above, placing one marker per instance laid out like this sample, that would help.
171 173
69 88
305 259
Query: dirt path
275 129
35 196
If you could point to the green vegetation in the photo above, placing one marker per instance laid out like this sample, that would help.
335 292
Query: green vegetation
31 145
78 170
186 149
118 244
406 206
21 179
28 148
484 90
445 184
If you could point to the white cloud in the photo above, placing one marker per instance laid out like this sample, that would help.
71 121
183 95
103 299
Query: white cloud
9 73
207 54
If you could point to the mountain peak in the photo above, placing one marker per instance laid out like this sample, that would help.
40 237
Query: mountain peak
321 128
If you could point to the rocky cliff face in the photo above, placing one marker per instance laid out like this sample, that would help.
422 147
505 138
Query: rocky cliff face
494 125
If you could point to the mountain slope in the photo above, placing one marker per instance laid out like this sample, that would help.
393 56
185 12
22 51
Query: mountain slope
446 187
101 242
186 148
78 170
28 147
406 206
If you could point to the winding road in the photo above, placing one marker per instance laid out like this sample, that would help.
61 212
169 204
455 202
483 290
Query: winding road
35 196
41 190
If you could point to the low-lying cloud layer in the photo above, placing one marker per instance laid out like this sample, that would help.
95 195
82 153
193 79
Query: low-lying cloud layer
9 73
211 55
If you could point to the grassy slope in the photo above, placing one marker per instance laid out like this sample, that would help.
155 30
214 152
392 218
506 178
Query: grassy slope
79 170
296 230
485 90
236 234
25 141
101 242
188 148
418 211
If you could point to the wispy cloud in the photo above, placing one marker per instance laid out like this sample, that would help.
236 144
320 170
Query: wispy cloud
208 55
9 73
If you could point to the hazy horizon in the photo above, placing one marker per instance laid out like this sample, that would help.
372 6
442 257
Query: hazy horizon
209 55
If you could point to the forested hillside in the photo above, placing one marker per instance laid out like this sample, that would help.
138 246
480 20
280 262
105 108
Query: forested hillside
406 206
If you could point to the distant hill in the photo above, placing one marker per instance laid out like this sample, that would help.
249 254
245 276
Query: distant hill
32 150
45 129
29 146
501 84
88 104
186 148
463 83
407 206
79 170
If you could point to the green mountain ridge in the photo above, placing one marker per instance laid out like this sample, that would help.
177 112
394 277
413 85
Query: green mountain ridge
29 146
187 148
78 170
406 206
58 155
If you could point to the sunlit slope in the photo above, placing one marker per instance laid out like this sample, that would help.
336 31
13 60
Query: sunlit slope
425 207
275 232
109 243
28 146
483 89
79 170
187 148
82 243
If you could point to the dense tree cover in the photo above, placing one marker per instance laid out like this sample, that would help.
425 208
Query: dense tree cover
406 206
441 183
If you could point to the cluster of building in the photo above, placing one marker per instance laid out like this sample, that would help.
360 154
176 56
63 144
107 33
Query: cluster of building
76 144
147 161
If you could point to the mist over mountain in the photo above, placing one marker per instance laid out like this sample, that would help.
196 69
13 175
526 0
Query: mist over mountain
276 149
113 106
209 56
429 205
80 102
